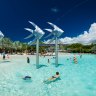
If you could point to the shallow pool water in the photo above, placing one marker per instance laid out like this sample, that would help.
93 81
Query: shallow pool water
75 79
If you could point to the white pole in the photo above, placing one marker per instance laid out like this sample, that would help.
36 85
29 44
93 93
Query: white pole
37 54
56 51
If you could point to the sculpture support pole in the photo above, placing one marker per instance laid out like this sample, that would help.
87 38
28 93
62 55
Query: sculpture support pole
37 54
56 51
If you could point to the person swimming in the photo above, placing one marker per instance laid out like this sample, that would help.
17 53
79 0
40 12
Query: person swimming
53 78
27 78
56 76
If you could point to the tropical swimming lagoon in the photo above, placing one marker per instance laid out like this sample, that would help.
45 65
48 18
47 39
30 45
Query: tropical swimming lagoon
75 79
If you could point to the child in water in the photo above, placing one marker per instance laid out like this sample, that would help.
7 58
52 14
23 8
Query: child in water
28 60
48 61
75 60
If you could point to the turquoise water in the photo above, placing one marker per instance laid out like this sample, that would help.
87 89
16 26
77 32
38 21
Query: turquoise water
76 79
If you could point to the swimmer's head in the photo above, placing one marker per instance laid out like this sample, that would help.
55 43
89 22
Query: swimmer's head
57 73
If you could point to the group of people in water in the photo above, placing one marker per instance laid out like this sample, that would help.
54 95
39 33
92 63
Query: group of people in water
57 75
51 58
52 78
75 60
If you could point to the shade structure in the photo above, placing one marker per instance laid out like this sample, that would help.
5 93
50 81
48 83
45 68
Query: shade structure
37 33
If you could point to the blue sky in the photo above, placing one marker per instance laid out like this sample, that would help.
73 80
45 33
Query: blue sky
73 16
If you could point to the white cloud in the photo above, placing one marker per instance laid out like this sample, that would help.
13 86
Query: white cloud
85 38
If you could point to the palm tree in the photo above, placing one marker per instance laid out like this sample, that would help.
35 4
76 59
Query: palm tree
6 42
17 45
94 49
